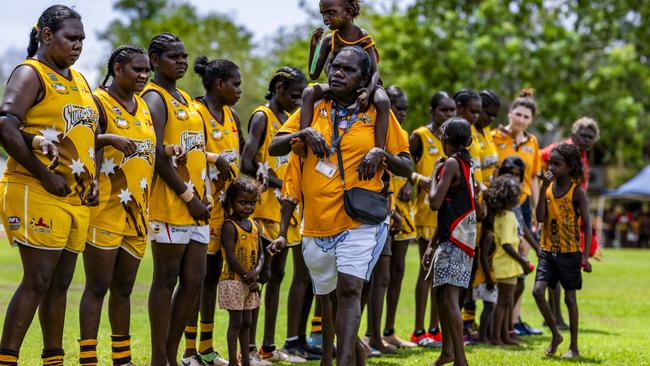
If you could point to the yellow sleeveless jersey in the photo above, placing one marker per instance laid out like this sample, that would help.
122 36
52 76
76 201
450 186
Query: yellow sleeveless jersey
222 137
475 153
561 229
269 207
67 116
184 127
247 247
125 181
364 42
489 154
404 209
431 151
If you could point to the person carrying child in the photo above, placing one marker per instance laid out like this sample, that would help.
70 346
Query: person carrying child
564 206
238 290
449 254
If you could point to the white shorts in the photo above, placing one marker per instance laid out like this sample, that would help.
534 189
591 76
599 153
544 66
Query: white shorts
164 233
354 252
481 292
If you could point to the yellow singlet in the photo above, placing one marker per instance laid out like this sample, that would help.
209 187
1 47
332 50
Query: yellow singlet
269 207
475 153
125 181
184 127
489 154
431 152
561 229
247 247
67 115
404 209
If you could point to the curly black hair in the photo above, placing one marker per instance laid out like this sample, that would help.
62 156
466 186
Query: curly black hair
211 71
458 133
355 5
238 186
289 76
502 194
121 55
572 157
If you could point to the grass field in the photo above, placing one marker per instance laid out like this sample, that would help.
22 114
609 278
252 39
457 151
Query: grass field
614 309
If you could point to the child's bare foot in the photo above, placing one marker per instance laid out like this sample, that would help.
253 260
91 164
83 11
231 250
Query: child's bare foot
497 342
444 358
571 353
510 342
555 342
382 348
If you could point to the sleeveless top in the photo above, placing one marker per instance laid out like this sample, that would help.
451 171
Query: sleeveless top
67 116
222 137
246 251
431 151
561 229
270 207
457 215
184 127
125 181
365 42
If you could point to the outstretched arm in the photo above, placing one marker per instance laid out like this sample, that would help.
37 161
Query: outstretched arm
583 208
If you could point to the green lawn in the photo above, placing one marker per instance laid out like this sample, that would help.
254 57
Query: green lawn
613 308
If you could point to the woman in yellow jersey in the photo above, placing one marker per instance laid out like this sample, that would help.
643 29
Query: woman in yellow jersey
340 251
224 142
178 213
44 211
514 139
284 93
117 236
489 157
426 148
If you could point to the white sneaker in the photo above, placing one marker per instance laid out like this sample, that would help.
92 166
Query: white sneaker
191 361
257 360
281 355
213 358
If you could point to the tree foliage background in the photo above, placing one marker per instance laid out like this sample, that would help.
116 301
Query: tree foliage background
581 57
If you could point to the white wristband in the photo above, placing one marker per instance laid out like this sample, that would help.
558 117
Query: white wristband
187 195
36 142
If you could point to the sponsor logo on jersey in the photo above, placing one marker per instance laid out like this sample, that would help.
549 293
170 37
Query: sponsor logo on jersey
281 160
14 222
217 135
41 225
121 123
192 140
117 110
75 115
433 150
52 76
60 88
181 114
144 149
181 230
323 113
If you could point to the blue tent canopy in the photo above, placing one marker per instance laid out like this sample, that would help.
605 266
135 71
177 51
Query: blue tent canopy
637 187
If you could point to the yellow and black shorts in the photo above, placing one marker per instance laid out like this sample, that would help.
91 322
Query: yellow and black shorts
408 231
425 232
35 218
106 240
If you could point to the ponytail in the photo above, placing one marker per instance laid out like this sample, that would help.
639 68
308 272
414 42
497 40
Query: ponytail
51 18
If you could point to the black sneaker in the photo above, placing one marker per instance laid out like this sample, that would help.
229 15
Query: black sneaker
312 349
300 351
530 330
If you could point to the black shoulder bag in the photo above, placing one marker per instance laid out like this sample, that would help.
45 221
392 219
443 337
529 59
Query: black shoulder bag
363 205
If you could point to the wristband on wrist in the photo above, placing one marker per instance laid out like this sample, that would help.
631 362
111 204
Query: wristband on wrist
36 142
187 196
211 157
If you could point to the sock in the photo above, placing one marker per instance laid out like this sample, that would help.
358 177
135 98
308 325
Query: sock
316 324
388 332
190 337
8 358
252 347
434 331
53 357
468 316
418 332
88 352
205 345
292 342
268 349
121 345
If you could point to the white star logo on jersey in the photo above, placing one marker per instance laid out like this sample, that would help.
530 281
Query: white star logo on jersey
278 193
51 133
91 153
125 195
108 167
222 196
77 166
143 183
189 185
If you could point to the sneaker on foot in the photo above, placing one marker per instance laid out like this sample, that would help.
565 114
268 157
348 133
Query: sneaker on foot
469 341
423 341
302 352
213 358
280 355
316 340
374 352
257 360
192 361
532 331
311 349
398 342
434 337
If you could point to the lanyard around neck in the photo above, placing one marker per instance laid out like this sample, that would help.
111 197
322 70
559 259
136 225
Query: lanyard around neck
336 123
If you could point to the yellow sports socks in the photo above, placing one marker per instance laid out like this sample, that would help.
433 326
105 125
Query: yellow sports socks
316 324
190 337
205 345
121 345
8 358
469 315
53 357
88 352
